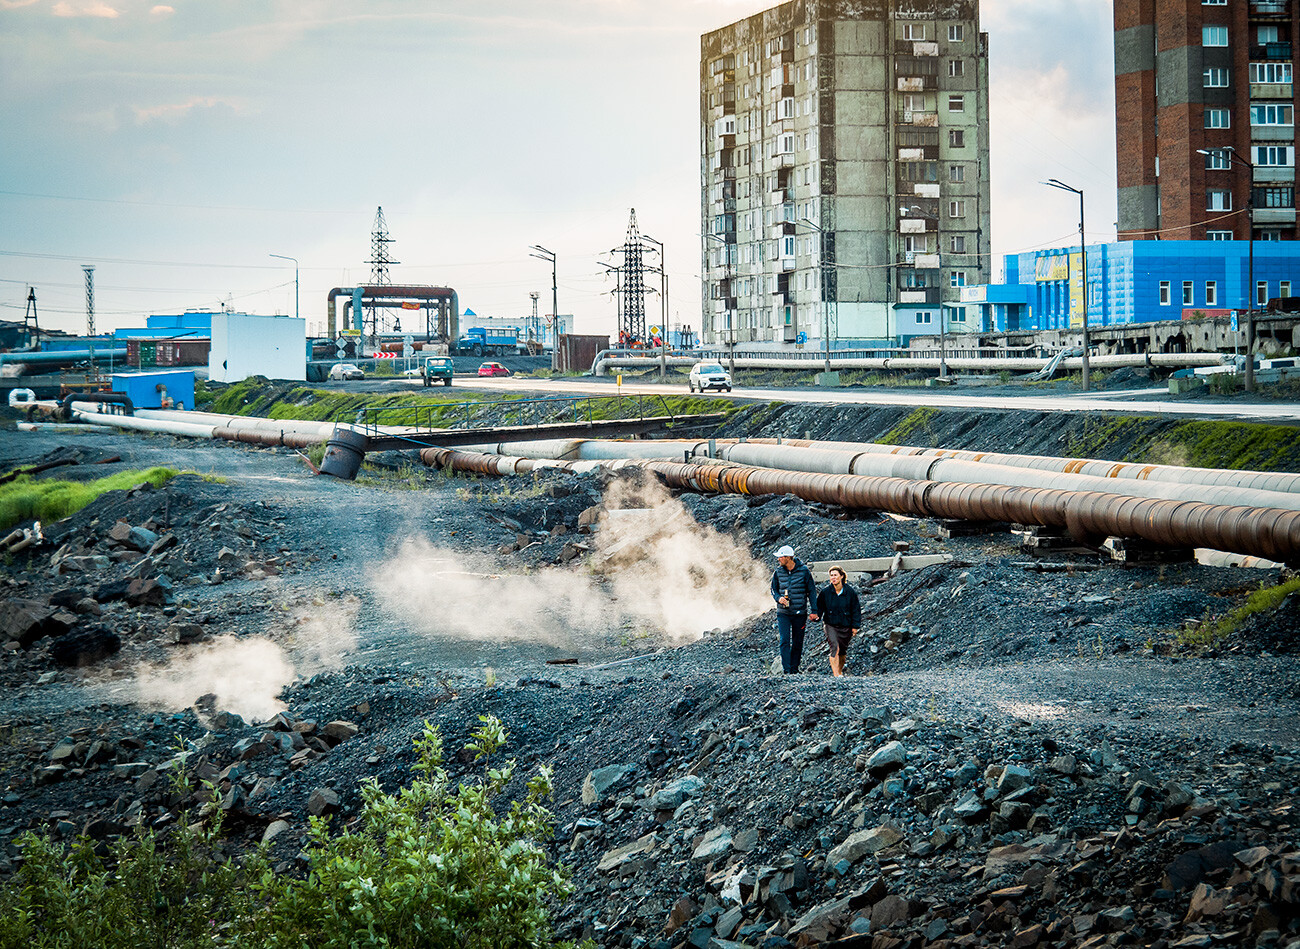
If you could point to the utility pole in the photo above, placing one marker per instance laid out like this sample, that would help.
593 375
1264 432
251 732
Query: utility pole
1083 251
535 326
663 309
31 323
541 253
295 281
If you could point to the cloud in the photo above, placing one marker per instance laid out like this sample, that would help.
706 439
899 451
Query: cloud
162 10
175 111
94 8
15 4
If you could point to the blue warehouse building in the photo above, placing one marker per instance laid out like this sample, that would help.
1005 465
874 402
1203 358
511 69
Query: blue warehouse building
1132 282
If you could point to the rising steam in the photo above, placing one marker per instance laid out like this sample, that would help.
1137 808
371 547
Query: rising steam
247 675
654 567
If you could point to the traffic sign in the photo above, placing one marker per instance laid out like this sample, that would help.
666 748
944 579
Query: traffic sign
654 329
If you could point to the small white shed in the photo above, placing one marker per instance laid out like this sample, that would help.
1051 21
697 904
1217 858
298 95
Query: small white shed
244 345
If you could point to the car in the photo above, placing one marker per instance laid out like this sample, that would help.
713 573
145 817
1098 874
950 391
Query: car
709 375
493 369
437 368
346 371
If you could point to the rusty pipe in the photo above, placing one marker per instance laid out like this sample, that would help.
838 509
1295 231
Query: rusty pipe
1253 531
285 439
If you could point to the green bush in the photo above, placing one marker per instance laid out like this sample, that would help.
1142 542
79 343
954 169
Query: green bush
432 865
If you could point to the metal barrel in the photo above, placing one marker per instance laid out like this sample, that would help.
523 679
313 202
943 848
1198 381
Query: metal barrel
344 452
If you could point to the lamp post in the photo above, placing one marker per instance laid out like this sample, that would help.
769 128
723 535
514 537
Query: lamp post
1083 252
541 253
943 313
826 312
295 281
1249 380
663 309
726 308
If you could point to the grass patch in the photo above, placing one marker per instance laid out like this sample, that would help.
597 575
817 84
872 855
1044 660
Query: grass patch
1216 444
1213 631
920 420
47 501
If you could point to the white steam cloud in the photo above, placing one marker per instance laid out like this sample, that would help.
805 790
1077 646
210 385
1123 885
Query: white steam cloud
660 570
247 675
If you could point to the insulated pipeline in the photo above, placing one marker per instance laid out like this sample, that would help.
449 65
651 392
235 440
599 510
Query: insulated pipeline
1088 515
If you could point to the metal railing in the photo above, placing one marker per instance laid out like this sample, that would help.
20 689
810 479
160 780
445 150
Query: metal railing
506 412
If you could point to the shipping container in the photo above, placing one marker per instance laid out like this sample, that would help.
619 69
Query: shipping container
574 353
147 353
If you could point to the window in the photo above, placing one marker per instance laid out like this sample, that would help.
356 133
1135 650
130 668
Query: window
1218 199
958 243
1268 234
1271 115
1267 34
956 103
1276 155
956 33
1270 72
1261 293
956 138
785 109
956 209
1218 235
1215 78
914 31
956 67
1218 159
956 314
915 243
1214 3
957 278
1275 197
1188 293
1214 36
787 246
1164 292
915 278
956 172
1211 293
1284 288
1218 119
923 317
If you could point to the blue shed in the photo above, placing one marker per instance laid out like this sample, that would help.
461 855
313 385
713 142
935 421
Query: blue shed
146 389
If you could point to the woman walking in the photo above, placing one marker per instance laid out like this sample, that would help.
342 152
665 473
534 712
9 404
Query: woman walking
840 613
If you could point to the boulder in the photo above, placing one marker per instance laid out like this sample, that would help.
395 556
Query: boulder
716 843
615 858
84 647
322 801
602 779
671 797
887 759
858 845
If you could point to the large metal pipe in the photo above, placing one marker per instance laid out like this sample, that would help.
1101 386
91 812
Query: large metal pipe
753 360
1263 480
1088 515
60 357
131 422
926 467
116 398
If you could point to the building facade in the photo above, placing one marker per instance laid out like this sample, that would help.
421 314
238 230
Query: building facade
1197 81
844 171
1134 282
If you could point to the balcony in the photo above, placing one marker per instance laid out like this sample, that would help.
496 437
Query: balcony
1270 90
916 225
1274 216
917 83
928 120
787 264
925 295
1274 174
1268 7
1271 51
920 261
915 48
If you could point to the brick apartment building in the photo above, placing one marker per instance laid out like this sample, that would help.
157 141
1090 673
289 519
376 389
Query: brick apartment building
869 119
1211 75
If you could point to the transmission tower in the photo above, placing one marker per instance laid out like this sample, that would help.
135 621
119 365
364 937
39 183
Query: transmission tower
90 298
31 323
631 289
379 262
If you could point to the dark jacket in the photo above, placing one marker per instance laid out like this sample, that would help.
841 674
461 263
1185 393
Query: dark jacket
798 584
839 609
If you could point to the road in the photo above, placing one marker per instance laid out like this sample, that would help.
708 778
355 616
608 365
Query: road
1127 401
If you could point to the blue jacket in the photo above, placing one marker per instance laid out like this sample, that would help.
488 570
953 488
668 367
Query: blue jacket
798 584
839 609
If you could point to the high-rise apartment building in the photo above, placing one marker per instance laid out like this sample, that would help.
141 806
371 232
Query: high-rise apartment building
1195 82
844 158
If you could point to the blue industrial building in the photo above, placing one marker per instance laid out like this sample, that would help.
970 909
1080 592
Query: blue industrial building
1131 282
170 326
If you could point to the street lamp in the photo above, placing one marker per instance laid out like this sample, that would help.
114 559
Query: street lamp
1083 253
943 313
826 312
295 281
541 253
663 309
1249 381
731 330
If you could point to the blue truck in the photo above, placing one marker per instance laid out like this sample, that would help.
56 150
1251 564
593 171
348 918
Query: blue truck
478 341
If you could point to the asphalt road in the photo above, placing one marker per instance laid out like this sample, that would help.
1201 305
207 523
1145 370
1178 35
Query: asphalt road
1141 401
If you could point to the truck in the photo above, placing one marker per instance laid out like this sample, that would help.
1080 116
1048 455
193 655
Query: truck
436 367
495 342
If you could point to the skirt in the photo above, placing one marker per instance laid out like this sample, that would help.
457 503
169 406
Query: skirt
837 638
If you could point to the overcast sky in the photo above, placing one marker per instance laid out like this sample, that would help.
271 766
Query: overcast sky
176 146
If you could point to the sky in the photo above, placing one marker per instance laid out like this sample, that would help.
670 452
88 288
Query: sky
177 146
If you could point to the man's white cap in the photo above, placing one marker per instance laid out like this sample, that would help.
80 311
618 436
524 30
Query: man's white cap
786 551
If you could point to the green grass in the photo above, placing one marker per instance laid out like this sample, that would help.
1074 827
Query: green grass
1261 601
47 500
1252 446
920 421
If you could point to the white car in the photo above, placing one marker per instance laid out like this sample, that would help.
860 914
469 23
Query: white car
346 371
709 375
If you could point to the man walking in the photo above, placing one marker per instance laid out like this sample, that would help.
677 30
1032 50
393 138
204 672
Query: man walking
793 589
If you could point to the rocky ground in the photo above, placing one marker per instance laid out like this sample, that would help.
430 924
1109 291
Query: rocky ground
1026 754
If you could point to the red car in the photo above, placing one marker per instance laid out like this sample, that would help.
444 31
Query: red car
493 369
